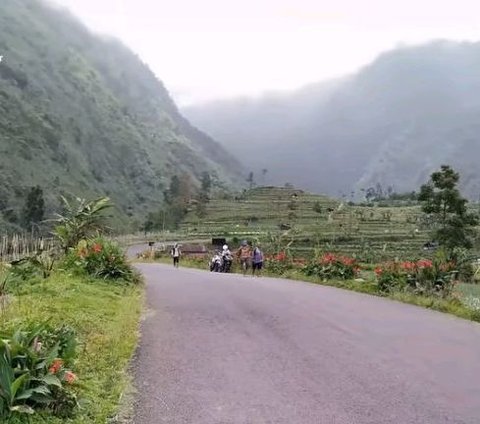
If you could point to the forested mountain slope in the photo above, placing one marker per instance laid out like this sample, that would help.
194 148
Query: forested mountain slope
392 123
81 114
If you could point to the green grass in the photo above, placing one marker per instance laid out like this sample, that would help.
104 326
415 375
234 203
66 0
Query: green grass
469 290
106 317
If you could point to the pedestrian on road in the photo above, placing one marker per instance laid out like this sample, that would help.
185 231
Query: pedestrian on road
175 253
257 261
244 254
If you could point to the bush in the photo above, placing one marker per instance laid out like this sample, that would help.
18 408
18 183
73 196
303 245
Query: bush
278 264
331 266
33 373
424 276
100 258
390 277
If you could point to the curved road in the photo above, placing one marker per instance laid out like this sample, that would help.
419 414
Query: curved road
221 349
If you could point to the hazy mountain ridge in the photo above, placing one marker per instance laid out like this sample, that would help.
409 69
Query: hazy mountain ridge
82 114
391 123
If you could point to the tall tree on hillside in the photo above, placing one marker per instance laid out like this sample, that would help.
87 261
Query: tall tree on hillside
34 208
177 199
443 203
251 180
206 186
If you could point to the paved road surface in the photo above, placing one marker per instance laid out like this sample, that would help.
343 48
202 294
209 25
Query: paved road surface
230 349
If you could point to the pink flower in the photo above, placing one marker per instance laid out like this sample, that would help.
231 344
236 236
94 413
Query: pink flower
70 377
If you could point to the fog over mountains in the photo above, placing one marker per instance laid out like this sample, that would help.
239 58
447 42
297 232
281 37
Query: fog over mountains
82 115
392 123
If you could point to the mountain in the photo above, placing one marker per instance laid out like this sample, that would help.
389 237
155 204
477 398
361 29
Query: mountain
81 114
392 123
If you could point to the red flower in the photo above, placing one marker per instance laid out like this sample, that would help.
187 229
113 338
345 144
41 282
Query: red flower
57 364
97 248
348 261
408 266
328 258
70 377
281 257
378 270
424 263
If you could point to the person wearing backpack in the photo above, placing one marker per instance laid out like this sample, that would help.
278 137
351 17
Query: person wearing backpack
257 261
244 254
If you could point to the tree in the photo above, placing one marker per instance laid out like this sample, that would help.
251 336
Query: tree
251 180
317 207
206 184
34 209
80 220
447 209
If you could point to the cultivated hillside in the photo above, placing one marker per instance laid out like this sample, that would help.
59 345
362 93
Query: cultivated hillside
82 114
312 221
392 123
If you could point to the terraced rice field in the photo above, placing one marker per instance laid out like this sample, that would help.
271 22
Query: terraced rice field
313 221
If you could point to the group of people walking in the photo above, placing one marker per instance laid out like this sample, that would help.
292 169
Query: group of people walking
248 257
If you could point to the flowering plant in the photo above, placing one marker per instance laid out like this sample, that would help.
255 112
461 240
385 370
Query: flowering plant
278 263
99 258
34 375
331 266
424 275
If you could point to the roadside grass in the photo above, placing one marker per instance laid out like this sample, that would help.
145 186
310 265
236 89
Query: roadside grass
105 316
453 306
469 290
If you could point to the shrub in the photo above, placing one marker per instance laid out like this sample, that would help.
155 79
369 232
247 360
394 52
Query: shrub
278 264
33 375
424 276
390 277
100 258
331 266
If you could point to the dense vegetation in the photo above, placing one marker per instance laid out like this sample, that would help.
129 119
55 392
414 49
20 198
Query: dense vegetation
82 114
68 324
392 124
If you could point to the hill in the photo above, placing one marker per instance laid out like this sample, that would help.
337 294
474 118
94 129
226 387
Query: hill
81 114
311 221
392 124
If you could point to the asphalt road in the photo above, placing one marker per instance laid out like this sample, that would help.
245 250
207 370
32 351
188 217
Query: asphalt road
231 349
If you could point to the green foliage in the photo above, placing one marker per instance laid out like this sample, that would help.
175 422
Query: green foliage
82 114
32 372
80 220
105 319
442 202
317 207
177 200
425 277
100 258
40 263
331 266
278 264
34 209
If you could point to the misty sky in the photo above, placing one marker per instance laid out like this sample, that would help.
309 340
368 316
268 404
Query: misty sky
207 49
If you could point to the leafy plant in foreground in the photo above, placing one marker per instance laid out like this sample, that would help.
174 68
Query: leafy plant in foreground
32 375
81 220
